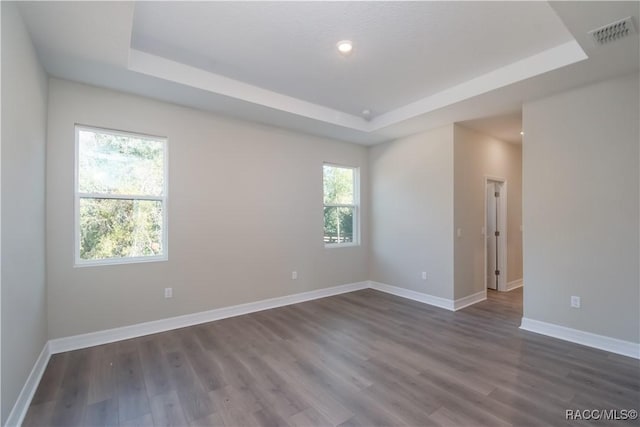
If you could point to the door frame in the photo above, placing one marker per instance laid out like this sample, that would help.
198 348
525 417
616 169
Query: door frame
502 224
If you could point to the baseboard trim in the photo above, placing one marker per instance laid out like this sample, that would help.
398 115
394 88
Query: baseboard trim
19 410
514 284
601 342
463 302
413 295
91 339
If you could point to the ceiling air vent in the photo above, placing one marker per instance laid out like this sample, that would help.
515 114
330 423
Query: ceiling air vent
614 31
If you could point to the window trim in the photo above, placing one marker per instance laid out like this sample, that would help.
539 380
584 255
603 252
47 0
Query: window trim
79 262
355 205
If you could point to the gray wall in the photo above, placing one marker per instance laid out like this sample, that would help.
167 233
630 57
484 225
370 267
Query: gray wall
245 210
24 99
476 156
412 212
581 208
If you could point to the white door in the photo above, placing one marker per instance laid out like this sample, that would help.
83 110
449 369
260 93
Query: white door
491 228
495 234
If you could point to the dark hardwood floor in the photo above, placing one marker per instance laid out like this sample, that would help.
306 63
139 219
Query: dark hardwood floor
359 359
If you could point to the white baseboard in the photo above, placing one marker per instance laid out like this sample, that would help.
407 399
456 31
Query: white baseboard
463 302
413 295
91 339
514 284
613 345
447 304
19 410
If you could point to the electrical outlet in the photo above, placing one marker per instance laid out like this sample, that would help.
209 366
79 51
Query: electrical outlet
424 275
459 232
294 275
168 292
575 302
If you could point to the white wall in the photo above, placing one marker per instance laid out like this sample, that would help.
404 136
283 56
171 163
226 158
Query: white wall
476 156
581 208
24 99
412 212
245 209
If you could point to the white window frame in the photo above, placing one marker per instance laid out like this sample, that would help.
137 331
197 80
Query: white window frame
79 262
355 206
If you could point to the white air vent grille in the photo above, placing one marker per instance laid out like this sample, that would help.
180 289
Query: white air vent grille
614 31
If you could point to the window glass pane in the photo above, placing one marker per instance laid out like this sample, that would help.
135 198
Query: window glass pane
112 228
338 224
338 185
119 164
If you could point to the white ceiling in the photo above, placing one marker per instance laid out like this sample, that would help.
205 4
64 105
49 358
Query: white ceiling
403 51
416 65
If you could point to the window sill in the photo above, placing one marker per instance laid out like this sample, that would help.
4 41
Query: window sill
118 261
340 245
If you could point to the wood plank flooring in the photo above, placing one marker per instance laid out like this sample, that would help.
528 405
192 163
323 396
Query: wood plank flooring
359 359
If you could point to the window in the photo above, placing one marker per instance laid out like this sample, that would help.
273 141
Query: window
121 197
341 199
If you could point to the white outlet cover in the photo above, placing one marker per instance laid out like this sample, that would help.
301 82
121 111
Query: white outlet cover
424 275
575 302
294 275
168 292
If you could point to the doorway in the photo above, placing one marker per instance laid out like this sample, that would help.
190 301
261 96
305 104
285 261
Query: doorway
495 253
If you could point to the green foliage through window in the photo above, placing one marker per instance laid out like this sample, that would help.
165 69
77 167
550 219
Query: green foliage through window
120 195
112 228
340 208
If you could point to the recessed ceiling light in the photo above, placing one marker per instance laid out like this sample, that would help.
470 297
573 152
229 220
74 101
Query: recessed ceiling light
521 132
344 46
366 112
